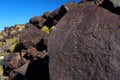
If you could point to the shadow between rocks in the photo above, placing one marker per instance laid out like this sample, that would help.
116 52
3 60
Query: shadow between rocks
38 69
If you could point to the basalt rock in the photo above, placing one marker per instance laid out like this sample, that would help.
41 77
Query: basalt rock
15 65
9 39
59 13
33 38
13 60
22 70
30 36
32 52
64 9
85 45
56 15
38 21
46 14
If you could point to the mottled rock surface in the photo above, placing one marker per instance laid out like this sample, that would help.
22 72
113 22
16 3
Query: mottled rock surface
38 21
30 36
85 45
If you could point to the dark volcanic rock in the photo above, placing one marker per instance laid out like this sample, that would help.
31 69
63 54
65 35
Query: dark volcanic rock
38 21
30 36
46 14
13 60
57 14
85 45
32 52
63 10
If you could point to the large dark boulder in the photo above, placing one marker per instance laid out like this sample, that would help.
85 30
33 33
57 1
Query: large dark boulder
85 45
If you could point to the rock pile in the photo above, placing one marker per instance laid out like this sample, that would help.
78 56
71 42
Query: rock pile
89 49
25 45
80 40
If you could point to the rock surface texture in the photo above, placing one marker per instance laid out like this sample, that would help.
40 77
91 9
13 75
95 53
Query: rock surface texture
81 40
30 36
23 48
86 45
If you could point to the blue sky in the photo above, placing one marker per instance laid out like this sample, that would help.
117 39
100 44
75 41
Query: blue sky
20 11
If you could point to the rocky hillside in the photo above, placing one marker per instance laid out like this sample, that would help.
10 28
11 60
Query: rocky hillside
24 47
74 42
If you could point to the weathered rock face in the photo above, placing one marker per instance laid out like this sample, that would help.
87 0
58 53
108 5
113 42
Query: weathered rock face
30 36
23 48
58 14
38 21
85 45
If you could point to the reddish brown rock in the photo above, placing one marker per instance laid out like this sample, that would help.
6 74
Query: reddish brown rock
30 36
57 14
14 60
85 45
45 39
46 15
22 70
38 21
32 52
